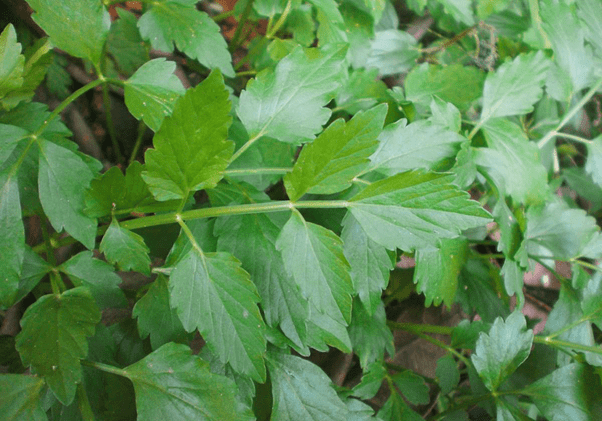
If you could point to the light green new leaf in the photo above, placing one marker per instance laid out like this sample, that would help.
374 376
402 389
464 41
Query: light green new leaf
125 44
515 86
302 391
590 13
12 238
460 10
455 83
62 179
156 317
213 294
269 8
11 61
289 102
370 263
171 383
21 398
392 52
499 352
125 249
568 393
98 276
370 335
513 162
436 274
414 210
421 144
169 22
566 34
329 164
79 27
593 165
191 149
53 338
359 28
313 256
151 92
115 193
445 114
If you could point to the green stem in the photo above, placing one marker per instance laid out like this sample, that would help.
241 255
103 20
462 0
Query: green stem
489 256
424 328
586 265
189 234
56 283
564 344
110 126
246 146
256 171
260 45
106 368
50 257
241 23
568 327
476 128
246 73
141 131
575 138
84 404
222 16
280 21
568 116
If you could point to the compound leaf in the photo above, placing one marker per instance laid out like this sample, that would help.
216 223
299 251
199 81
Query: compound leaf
151 92
414 210
125 249
213 294
288 103
169 22
53 339
170 383
21 398
79 27
329 163
191 149
499 352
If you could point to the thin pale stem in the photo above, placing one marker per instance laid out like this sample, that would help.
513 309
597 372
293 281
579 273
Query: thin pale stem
141 131
105 367
256 171
280 21
575 138
246 146
564 344
222 16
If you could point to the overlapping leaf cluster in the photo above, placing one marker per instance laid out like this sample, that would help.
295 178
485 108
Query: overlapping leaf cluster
284 206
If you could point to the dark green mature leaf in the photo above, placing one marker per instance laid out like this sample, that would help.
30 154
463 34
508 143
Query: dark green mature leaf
412 386
370 263
115 193
393 51
151 92
513 162
79 27
12 238
202 231
98 276
448 375
34 269
372 379
502 350
20 398
53 339
362 91
370 335
515 86
414 210
191 149
477 292
62 179
324 331
314 257
125 249
301 391
171 383
213 294
568 393
396 409
458 84
12 62
437 271
169 22
288 103
418 145
10 138
329 164
156 317
125 44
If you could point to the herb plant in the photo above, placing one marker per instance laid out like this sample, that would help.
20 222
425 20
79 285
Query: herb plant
318 146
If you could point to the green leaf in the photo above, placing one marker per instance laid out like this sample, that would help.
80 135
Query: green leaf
370 335
502 350
515 86
477 290
58 325
445 114
314 257
34 269
417 145
125 249
62 179
372 379
392 52
513 162
288 103
169 22
569 392
370 263
98 276
79 27
359 28
412 386
301 391
10 138
589 12
12 62
125 44
593 165
324 331
202 231
191 150
21 398
396 409
114 193
510 232
12 238
213 294
151 92
414 210
448 375
485 8
362 91
460 10
156 317
329 164
437 271
171 383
